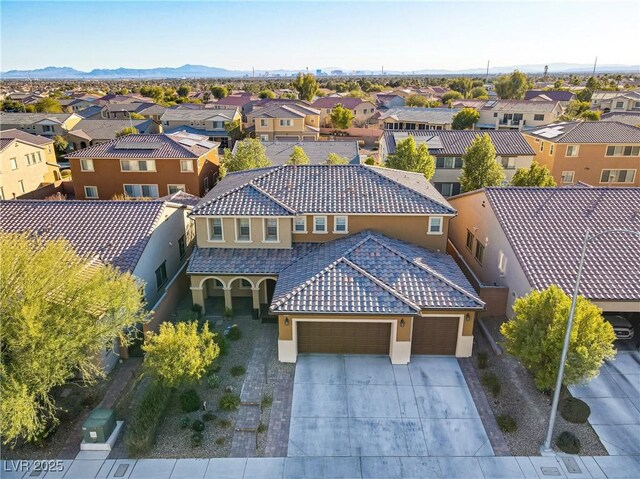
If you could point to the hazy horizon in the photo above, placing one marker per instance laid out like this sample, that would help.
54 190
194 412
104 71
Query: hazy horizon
357 35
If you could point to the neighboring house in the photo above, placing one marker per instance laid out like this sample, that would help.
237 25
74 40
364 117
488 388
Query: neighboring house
145 166
389 100
210 122
350 258
115 98
279 152
75 105
123 111
292 121
517 114
415 118
598 153
92 112
362 110
530 238
150 239
93 132
45 124
563 96
627 117
243 101
512 152
616 100
27 162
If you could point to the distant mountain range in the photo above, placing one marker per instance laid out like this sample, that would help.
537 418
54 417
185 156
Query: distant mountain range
202 71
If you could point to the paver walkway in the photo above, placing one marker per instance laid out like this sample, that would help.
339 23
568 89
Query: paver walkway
560 467
280 418
121 376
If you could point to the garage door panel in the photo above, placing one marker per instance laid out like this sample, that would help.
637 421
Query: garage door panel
438 336
343 338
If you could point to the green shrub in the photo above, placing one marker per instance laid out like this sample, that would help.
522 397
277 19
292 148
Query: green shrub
221 342
229 402
238 370
197 425
574 410
262 428
208 416
213 380
482 360
184 422
225 423
491 382
370 160
215 367
65 174
220 441
267 401
234 333
506 423
145 420
228 312
190 401
197 438
568 443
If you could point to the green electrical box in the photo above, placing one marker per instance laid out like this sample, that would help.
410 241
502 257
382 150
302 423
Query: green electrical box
99 425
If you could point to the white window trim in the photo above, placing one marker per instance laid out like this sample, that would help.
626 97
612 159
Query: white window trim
238 240
264 137
91 197
573 177
186 171
346 225
576 151
88 169
122 170
440 230
264 123
264 231
326 229
635 173
304 219
124 189
180 186
209 239
621 155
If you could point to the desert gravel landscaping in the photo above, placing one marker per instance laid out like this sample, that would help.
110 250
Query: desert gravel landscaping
520 399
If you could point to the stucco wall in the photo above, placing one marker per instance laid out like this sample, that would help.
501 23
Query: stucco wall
32 175
257 234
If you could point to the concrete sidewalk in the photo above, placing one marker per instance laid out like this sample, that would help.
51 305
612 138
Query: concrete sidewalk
599 467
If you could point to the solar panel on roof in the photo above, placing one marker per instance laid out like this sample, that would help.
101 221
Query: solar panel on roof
187 142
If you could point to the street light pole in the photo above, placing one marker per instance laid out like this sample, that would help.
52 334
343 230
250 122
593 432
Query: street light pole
546 447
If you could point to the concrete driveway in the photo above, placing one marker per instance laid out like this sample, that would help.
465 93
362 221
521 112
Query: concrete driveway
365 406
614 399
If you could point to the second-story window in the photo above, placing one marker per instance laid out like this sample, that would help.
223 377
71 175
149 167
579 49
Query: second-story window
538 117
572 150
479 251
138 165
243 229
435 225
215 229
263 122
286 122
186 166
271 229
508 162
300 224
14 163
86 165
340 224
319 224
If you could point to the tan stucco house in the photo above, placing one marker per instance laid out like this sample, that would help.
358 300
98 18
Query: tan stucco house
290 121
44 124
599 153
517 114
209 122
362 110
530 238
616 100
350 258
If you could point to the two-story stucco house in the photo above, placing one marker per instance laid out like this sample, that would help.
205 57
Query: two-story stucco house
517 114
448 147
27 162
350 258
530 238
416 118
598 153
44 124
616 100
209 122
145 166
362 110
291 121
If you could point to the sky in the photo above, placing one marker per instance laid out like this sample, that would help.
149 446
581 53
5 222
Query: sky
350 35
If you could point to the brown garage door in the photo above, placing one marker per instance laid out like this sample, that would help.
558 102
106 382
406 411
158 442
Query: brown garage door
343 338
434 336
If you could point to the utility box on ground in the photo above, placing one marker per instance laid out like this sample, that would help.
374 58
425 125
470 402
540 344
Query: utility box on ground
99 425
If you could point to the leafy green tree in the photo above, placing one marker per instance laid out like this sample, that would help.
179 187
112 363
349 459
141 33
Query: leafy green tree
136 116
412 157
335 159
584 95
557 85
266 94
289 95
371 161
357 94
60 145
451 95
535 175
234 129
479 93
591 115
219 91
250 154
512 87
574 109
479 165
306 85
465 119
206 96
48 105
184 90
461 85
155 92
59 311
536 335
415 100
341 117
180 353
127 130
298 157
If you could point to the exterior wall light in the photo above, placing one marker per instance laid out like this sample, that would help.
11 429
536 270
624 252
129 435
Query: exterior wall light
286 321
402 323
467 317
